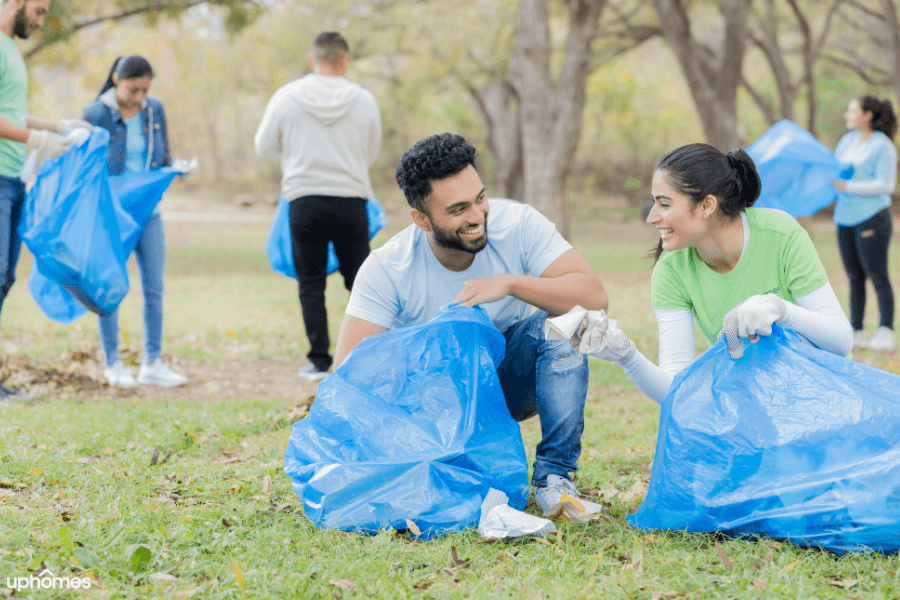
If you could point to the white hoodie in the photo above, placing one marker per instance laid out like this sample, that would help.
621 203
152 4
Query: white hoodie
326 131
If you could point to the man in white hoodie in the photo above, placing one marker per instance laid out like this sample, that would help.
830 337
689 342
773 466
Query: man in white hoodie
326 131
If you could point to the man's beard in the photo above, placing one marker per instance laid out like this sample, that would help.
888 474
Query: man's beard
454 240
20 24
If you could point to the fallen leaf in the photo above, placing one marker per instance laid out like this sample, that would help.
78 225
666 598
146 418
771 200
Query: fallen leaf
162 577
155 458
726 562
759 584
344 584
765 560
842 583
460 564
238 575
791 566
266 484
413 528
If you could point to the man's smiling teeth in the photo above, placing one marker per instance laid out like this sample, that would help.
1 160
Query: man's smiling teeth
663 232
471 230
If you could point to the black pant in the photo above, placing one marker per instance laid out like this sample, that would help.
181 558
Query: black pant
315 221
864 252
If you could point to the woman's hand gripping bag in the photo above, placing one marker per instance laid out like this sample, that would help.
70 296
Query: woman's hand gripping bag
789 441
413 425
69 225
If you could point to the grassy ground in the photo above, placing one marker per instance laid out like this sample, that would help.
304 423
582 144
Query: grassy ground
180 494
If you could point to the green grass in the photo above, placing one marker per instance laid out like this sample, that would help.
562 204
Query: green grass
213 516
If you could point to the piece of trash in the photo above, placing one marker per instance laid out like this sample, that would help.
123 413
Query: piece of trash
576 510
589 331
499 520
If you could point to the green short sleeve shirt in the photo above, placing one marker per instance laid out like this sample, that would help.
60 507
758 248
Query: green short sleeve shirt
13 103
779 259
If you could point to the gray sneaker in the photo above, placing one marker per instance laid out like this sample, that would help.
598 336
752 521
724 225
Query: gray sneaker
311 373
548 497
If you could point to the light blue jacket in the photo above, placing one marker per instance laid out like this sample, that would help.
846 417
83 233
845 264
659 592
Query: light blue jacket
869 191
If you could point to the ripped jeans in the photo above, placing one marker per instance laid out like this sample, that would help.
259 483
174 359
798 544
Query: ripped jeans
550 379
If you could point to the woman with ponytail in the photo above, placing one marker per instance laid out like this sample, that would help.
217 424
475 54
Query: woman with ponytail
863 216
138 141
719 255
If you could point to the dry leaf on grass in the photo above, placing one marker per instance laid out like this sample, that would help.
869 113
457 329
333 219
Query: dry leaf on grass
344 584
726 562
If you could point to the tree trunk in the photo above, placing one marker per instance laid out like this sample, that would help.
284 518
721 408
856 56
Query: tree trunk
713 75
550 113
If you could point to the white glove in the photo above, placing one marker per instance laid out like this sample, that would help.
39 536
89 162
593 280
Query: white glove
66 126
750 319
617 347
184 166
47 143
591 332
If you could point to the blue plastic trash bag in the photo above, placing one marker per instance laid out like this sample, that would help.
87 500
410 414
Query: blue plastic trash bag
76 243
280 251
65 191
789 441
414 426
796 170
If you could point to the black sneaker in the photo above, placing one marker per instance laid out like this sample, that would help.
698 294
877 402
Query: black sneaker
311 373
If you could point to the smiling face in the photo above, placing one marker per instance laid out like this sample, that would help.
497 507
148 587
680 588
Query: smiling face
856 118
30 17
130 93
680 222
457 211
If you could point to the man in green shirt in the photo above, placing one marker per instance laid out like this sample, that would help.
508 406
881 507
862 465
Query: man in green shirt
20 132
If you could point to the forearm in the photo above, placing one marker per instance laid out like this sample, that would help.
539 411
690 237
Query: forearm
872 187
8 131
649 378
41 123
558 295
820 319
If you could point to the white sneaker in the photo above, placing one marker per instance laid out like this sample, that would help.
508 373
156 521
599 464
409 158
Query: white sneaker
311 373
549 497
883 339
118 375
859 340
158 373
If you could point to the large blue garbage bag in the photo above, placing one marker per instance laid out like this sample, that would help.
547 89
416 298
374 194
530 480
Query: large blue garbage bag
69 225
76 189
789 441
796 170
280 252
414 426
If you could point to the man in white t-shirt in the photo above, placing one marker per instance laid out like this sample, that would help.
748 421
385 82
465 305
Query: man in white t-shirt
509 264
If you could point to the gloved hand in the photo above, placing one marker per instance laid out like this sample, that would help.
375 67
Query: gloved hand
750 319
184 166
66 126
47 143
617 347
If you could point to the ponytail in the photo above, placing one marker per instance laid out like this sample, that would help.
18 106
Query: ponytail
882 112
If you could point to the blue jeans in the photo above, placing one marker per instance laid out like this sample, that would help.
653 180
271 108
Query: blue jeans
549 379
12 199
150 254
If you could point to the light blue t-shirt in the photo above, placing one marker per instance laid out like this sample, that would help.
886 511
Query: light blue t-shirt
869 191
135 145
402 283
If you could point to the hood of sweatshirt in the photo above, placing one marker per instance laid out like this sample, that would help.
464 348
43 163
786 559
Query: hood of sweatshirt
326 98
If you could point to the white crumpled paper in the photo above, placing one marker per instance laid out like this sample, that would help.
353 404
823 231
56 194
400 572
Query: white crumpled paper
590 331
576 510
499 520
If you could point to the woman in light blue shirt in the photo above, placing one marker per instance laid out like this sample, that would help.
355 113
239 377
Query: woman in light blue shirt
863 213
138 141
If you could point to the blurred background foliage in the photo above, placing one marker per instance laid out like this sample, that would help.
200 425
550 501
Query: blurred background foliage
218 62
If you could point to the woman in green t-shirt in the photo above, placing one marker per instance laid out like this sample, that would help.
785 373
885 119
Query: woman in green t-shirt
721 261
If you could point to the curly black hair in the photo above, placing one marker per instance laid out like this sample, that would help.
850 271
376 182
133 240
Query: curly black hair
431 159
